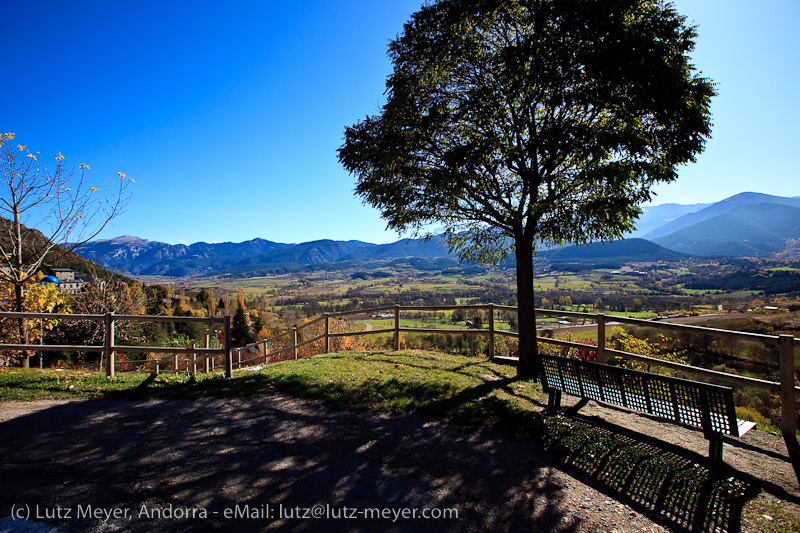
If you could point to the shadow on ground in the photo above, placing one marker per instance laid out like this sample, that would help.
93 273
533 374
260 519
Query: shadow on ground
180 464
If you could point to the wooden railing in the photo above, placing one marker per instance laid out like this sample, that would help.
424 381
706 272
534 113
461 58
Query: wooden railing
110 348
783 345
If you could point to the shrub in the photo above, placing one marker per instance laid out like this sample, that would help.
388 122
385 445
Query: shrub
746 413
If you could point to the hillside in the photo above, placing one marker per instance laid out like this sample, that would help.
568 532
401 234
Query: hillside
436 247
752 230
139 256
617 251
58 257
719 208
745 225
656 216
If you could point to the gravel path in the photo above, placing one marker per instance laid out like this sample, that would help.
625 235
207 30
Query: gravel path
182 465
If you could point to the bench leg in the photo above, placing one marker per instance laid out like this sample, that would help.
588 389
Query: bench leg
553 401
715 448
580 405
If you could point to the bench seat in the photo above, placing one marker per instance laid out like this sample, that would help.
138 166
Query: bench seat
693 403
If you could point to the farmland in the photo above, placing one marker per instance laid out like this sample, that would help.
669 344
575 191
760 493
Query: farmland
639 290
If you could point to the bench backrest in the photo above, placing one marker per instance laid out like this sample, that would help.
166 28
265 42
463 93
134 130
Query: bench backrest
694 403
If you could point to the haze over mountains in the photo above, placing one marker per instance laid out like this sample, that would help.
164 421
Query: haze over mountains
746 225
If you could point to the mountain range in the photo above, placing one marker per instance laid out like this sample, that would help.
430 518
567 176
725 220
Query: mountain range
137 256
745 225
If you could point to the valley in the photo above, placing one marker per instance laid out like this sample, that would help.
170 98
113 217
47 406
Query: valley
747 225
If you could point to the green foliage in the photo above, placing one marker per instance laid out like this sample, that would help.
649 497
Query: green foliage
202 296
507 118
511 123
748 413
240 331
770 281
258 323
477 321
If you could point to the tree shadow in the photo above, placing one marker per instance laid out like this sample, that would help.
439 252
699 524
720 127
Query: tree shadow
180 464
269 449
794 453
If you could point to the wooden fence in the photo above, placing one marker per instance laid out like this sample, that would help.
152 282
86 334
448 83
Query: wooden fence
196 355
783 346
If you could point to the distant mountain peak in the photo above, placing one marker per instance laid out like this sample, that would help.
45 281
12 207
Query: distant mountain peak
125 239
137 256
719 208
745 224
759 228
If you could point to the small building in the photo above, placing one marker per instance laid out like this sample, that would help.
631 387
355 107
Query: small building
64 274
69 280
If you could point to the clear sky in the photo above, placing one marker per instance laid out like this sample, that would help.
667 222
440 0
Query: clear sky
228 114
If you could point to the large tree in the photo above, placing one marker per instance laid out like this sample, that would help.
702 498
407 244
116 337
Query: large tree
511 124
47 210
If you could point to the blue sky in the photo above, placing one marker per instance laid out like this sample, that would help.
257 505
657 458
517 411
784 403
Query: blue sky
228 114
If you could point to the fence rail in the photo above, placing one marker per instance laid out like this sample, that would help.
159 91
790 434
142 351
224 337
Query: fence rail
109 348
784 345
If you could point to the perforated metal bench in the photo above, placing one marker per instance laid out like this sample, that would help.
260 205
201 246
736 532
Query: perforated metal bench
693 403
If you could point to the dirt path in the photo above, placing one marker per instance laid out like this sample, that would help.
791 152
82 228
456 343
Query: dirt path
182 465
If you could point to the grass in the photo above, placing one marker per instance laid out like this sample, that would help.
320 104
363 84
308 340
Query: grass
769 517
19 384
463 390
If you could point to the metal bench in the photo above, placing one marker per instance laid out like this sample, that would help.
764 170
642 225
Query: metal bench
702 405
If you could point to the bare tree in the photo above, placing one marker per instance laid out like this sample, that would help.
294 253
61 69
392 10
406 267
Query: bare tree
44 211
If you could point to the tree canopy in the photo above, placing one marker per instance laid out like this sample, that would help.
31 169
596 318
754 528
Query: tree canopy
510 123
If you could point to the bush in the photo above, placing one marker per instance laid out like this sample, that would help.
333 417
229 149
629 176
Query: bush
746 413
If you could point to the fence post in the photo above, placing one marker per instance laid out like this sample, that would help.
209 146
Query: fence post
327 338
491 332
207 361
266 355
601 338
175 362
294 342
226 326
108 344
396 327
788 402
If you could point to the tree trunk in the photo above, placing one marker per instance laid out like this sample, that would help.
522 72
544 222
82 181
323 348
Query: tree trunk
18 307
528 365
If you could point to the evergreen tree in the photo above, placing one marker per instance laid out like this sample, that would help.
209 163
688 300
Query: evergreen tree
240 331
258 323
